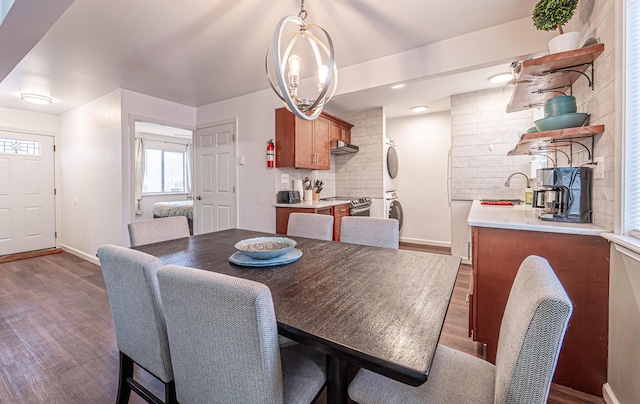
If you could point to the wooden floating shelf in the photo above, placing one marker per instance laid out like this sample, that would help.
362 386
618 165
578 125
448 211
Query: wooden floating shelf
539 141
542 78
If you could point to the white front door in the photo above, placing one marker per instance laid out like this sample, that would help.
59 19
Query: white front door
27 218
215 204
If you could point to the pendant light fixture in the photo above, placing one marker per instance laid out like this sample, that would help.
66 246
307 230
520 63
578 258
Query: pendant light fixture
286 83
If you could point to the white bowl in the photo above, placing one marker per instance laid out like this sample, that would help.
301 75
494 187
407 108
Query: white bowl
264 248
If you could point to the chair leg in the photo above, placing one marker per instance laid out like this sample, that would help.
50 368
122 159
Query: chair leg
126 371
170 393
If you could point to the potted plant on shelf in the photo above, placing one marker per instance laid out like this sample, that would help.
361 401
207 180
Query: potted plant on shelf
549 15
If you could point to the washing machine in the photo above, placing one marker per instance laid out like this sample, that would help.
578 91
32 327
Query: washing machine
393 207
390 166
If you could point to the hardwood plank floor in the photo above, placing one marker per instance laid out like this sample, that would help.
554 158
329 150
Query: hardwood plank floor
57 343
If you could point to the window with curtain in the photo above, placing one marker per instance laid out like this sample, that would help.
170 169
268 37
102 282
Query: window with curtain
631 177
166 171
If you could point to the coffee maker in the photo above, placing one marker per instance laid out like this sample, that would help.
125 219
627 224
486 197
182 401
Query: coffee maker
565 194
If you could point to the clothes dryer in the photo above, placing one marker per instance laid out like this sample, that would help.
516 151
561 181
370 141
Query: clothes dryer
393 208
390 166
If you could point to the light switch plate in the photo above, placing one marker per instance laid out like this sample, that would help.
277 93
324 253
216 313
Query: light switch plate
598 170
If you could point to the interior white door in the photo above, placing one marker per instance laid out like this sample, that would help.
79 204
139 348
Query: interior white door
215 203
27 214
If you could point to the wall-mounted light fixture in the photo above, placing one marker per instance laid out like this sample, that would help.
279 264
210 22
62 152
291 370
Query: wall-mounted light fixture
418 109
36 98
286 83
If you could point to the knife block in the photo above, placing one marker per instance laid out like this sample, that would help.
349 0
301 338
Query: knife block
316 195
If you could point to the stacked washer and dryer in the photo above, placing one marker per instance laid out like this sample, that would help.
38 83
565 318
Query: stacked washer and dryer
393 208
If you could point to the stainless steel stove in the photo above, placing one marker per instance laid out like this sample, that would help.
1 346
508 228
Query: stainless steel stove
357 206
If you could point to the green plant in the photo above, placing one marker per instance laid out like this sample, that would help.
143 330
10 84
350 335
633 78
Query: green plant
551 14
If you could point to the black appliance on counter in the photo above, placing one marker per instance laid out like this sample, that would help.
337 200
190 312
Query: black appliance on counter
289 197
565 195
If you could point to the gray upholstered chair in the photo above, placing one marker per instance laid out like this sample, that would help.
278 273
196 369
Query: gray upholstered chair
310 225
373 231
533 327
132 286
224 342
157 230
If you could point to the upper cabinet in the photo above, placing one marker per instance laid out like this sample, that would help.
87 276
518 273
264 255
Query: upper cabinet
307 144
548 76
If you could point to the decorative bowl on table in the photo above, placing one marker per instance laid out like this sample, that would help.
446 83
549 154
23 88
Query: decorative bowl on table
264 248
561 121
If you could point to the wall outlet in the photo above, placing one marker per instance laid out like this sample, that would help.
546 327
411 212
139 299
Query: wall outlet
598 170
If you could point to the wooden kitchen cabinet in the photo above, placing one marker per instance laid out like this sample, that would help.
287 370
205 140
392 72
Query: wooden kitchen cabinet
337 211
581 262
302 144
307 144
340 130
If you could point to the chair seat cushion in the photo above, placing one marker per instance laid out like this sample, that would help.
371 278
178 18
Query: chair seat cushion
455 377
303 373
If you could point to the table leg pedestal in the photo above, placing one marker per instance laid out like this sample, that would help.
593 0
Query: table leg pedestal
337 380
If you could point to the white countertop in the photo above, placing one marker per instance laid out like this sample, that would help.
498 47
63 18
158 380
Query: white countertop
311 205
523 217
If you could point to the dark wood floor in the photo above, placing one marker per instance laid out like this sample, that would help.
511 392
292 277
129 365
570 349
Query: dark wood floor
57 343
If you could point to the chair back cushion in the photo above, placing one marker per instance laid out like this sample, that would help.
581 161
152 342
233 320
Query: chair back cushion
223 336
310 225
533 327
132 286
373 231
157 230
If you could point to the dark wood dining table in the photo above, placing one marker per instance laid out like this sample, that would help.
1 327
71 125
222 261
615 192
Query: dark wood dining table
376 308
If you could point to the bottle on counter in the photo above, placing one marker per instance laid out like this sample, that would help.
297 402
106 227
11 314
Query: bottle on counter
528 196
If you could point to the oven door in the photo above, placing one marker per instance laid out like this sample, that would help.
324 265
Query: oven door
361 211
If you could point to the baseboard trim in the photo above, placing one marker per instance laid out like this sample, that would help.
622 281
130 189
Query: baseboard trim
91 258
608 395
425 242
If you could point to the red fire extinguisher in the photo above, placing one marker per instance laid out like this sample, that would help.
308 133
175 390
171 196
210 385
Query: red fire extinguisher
271 155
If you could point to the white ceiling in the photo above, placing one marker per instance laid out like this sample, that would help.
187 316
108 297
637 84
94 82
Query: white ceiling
197 52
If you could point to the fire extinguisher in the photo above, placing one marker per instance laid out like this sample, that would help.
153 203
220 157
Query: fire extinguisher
271 155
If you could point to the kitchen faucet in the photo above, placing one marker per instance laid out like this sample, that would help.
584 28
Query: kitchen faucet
508 181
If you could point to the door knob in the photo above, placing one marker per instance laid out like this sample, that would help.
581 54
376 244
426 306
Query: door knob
199 198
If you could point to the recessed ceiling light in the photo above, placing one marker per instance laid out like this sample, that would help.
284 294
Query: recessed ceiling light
500 78
396 86
36 98
420 108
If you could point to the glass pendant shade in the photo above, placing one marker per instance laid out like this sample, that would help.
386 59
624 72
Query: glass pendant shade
286 83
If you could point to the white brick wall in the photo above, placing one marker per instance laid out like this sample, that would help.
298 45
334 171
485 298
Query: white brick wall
361 173
482 135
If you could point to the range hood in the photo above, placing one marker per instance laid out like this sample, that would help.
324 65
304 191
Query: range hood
342 147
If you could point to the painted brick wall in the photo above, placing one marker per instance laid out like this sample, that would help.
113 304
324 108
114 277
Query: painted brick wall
596 19
482 135
361 174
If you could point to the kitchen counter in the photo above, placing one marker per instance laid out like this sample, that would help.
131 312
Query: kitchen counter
311 205
523 217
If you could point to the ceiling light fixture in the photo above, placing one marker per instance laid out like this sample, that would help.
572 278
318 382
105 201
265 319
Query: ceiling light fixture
420 108
36 98
396 86
287 89
500 78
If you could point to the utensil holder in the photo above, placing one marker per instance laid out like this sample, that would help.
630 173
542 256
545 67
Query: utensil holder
316 194
308 195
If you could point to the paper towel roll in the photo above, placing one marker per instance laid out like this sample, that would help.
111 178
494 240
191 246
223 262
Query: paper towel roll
297 186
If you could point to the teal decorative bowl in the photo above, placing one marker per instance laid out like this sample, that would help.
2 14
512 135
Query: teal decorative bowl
561 121
264 248
564 104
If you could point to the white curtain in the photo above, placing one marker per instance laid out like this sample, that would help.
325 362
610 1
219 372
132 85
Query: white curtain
140 166
188 164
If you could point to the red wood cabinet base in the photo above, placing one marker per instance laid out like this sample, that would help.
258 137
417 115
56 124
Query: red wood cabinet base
582 265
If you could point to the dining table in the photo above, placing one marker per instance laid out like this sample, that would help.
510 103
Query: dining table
376 308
